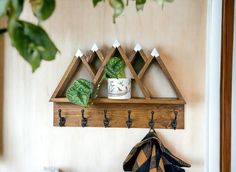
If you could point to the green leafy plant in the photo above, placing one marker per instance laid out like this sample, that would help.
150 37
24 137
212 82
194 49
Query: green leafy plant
82 92
30 40
115 68
118 5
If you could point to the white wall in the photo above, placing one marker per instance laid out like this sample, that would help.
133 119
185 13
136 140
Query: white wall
31 142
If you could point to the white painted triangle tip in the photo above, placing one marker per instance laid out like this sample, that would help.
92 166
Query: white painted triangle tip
155 53
116 44
78 53
94 48
137 47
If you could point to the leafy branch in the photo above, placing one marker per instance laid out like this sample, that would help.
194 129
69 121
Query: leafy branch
30 40
118 5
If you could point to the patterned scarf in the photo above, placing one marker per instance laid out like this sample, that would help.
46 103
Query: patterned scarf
150 155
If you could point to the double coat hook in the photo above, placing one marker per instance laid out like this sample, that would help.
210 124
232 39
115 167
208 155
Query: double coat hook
105 120
62 120
152 122
174 121
129 121
83 120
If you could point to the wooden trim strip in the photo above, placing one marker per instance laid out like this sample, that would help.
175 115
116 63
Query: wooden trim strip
132 56
226 84
100 55
101 68
143 55
90 56
170 101
89 69
145 67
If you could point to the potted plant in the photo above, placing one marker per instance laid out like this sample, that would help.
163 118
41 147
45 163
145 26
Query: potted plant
82 92
119 87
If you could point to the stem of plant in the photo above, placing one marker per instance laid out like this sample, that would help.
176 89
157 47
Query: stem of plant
97 88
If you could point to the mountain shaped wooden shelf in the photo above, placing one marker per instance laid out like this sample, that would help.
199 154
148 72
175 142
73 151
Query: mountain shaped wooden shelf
166 110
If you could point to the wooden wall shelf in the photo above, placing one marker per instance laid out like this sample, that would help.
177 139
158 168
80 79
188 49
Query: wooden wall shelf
130 101
166 110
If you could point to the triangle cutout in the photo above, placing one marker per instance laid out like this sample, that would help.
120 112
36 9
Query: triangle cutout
113 51
97 74
72 69
156 82
156 57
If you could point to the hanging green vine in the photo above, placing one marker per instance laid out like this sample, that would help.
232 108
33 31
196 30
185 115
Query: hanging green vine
31 40
118 5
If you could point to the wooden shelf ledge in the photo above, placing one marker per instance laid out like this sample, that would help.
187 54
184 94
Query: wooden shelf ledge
130 101
166 110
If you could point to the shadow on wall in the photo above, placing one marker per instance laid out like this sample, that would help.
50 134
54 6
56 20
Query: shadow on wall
1 93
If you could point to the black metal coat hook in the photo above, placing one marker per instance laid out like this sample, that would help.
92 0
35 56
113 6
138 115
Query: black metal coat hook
62 120
129 121
83 120
105 120
174 121
152 122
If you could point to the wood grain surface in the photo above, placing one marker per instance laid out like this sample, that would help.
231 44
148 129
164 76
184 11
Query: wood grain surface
226 84
164 107
118 114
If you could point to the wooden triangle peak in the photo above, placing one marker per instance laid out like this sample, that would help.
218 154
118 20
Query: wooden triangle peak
148 60
67 77
155 55
123 55
169 77
96 75
169 112
73 68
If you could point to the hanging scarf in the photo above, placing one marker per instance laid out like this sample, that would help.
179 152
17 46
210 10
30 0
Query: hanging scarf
150 155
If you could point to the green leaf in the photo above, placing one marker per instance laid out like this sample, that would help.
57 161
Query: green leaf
115 68
17 6
3 7
79 92
118 7
43 9
32 42
140 4
95 2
